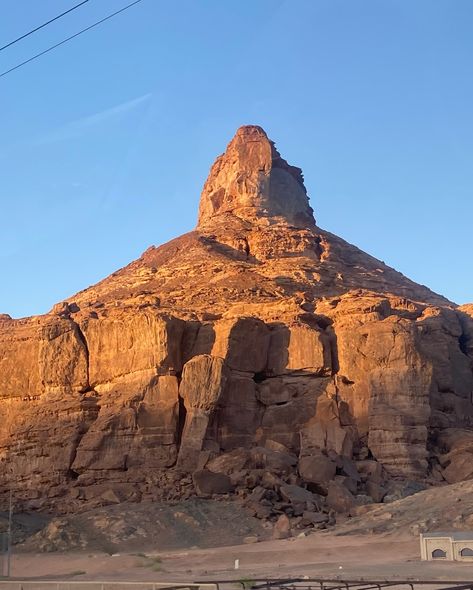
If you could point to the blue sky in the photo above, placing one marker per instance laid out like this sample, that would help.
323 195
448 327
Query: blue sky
105 143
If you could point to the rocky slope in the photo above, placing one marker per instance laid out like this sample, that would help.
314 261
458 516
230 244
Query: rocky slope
256 346
158 526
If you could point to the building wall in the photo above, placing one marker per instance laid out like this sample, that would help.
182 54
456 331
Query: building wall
442 543
452 549
458 546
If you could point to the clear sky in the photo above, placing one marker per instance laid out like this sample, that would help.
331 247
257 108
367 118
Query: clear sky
106 142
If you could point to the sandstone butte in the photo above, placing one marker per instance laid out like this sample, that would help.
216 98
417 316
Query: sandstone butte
258 332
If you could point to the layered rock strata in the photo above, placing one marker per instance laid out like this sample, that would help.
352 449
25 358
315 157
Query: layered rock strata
257 330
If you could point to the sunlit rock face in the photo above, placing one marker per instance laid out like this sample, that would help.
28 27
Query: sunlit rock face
252 182
256 331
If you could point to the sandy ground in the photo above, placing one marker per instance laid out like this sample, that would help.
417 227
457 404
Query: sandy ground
320 555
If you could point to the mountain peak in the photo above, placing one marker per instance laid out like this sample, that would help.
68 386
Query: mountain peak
251 181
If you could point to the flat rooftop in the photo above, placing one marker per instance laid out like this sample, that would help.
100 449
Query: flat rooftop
455 536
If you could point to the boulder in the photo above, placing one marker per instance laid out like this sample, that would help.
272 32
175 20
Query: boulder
282 528
364 508
348 482
290 401
460 467
231 462
203 380
238 478
397 490
257 494
455 446
371 470
273 445
110 496
317 469
314 518
271 481
454 440
208 483
348 467
253 478
339 498
324 430
273 460
362 500
376 491
296 494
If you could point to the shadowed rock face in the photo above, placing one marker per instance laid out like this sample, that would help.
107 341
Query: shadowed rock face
258 330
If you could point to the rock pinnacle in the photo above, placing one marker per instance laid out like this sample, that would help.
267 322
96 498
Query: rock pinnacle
251 181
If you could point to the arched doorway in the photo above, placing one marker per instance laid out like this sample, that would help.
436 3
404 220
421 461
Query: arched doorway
439 554
466 552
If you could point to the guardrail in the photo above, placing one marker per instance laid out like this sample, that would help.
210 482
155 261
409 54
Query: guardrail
100 585
242 584
340 584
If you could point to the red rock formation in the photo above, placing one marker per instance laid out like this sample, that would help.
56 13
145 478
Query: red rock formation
252 182
256 330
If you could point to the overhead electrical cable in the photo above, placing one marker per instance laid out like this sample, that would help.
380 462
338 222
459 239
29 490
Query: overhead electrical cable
69 38
43 25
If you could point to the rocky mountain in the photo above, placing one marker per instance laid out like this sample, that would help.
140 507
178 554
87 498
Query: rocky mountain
257 350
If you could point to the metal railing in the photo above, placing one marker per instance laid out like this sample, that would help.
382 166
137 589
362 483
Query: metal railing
243 584
340 584
100 585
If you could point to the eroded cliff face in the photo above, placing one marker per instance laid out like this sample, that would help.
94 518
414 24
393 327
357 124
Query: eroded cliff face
251 182
258 330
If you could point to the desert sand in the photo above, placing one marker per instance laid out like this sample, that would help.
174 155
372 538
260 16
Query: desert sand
321 555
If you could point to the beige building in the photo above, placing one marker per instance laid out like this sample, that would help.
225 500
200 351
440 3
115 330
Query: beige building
446 546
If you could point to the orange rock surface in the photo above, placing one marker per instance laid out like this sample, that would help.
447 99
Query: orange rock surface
256 329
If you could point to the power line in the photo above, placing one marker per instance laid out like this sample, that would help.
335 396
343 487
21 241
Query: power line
69 38
43 25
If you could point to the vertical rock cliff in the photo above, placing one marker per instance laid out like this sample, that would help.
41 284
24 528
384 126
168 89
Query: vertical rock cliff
259 338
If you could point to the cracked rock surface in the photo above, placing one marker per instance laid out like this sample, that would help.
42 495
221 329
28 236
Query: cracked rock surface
257 330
